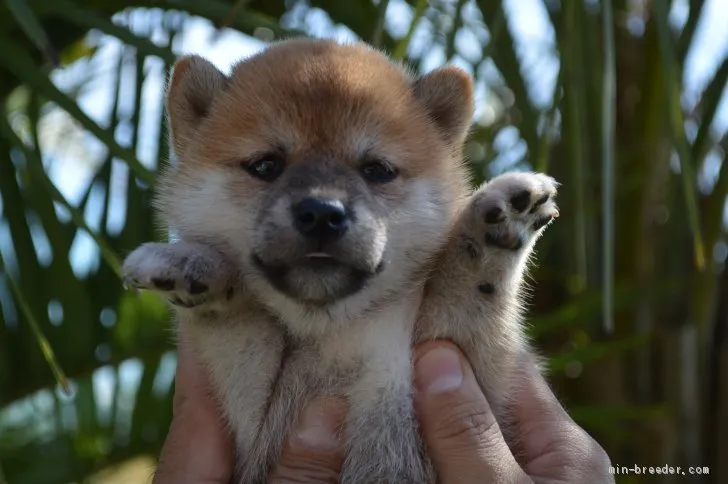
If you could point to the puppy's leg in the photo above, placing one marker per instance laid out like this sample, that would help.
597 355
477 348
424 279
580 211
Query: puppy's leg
474 298
293 388
242 352
383 443
368 363
380 432
187 275
237 343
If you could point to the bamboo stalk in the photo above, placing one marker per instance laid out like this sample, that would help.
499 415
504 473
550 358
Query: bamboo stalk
609 98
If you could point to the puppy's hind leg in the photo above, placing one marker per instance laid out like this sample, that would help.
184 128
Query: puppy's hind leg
383 442
292 386
384 445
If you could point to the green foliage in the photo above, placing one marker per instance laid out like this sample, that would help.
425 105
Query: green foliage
625 292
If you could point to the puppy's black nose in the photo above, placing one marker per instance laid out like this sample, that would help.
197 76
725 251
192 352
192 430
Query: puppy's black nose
320 217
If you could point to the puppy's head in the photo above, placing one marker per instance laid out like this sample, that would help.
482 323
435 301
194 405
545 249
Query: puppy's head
321 166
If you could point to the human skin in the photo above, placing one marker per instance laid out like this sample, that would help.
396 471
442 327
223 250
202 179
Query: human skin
463 438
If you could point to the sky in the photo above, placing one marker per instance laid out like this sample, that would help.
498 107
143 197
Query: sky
76 155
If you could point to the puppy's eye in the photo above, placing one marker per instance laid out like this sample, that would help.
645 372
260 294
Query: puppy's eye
379 172
267 167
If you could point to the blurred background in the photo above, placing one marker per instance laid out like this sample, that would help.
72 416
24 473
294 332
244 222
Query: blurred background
623 101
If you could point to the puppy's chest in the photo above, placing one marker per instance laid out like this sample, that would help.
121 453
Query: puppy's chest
320 364
378 342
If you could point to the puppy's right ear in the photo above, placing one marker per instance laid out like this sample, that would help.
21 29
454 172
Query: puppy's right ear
193 86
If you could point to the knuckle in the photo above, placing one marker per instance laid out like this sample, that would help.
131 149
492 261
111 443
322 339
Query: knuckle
579 455
599 461
468 423
302 471
301 464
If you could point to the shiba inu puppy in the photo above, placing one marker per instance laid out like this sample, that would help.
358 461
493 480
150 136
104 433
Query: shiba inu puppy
326 224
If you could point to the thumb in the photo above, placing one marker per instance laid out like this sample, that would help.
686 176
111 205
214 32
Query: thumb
459 428
314 452
198 447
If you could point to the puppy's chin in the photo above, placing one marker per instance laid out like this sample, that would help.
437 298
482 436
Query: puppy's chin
316 281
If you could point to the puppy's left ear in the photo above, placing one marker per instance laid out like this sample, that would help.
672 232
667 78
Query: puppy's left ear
447 95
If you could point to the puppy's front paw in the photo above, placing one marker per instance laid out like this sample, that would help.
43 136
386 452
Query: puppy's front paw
512 210
187 275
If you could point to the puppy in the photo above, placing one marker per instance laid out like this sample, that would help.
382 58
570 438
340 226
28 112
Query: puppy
326 224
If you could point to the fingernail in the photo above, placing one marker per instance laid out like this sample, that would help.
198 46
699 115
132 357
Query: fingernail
319 425
439 371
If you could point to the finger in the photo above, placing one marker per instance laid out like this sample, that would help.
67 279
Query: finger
197 448
314 452
462 435
550 443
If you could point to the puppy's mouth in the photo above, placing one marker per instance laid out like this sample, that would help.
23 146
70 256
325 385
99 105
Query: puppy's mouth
317 278
318 256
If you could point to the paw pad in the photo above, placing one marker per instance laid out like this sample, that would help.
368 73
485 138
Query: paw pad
504 241
187 275
178 301
195 287
521 200
163 284
486 288
494 215
513 208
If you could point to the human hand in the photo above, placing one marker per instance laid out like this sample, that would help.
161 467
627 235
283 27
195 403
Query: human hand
467 446
463 438
197 449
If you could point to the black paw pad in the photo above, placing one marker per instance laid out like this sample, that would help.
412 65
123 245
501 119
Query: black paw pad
540 202
196 287
486 288
543 221
163 284
504 242
521 200
178 301
494 215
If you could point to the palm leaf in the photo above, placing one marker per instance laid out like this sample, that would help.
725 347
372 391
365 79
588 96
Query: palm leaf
32 27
